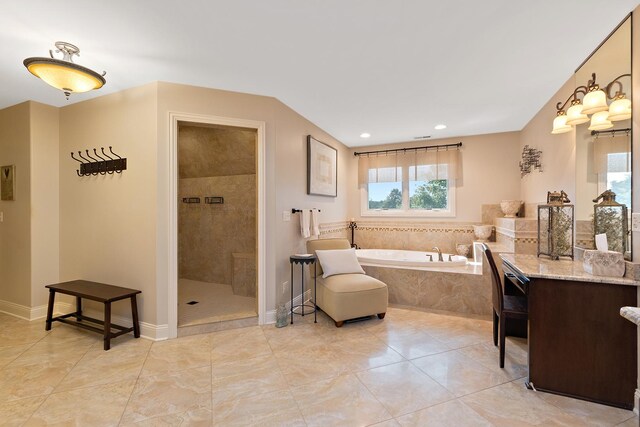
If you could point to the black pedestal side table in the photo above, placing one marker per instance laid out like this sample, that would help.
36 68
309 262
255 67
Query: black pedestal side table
302 260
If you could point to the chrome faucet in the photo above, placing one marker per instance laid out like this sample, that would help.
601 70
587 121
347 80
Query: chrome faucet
437 249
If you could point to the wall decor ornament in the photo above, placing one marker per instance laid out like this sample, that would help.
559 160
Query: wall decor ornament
322 168
8 182
530 161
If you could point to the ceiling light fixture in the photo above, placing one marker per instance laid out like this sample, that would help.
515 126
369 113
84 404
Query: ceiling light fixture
440 127
64 74
594 101
365 135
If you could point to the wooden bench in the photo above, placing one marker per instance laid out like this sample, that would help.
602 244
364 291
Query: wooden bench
94 291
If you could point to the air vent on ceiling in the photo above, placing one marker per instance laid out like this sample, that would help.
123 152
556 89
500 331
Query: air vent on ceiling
422 137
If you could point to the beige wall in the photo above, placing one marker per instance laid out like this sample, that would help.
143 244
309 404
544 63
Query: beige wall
285 174
489 174
45 200
15 230
558 153
108 222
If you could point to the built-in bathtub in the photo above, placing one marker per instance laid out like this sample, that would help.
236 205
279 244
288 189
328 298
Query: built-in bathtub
457 285
403 258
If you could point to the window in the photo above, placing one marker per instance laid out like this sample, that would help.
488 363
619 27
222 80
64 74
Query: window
617 177
422 186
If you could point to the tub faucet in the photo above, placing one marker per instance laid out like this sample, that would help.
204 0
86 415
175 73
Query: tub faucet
437 249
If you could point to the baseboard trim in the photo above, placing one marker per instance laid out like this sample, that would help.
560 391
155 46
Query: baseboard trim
636 402
270 316
147 330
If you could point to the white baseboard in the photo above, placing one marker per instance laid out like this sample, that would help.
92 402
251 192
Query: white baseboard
636 402
270 317
147 330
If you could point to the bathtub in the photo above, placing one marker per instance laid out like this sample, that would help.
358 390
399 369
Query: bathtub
402 258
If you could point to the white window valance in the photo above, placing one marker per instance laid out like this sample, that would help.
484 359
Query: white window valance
420 164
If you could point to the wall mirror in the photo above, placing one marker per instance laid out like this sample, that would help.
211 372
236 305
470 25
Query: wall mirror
603 156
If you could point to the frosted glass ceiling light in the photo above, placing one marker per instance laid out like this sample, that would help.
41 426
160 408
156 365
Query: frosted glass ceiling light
64 74
575 116
560 123
600 121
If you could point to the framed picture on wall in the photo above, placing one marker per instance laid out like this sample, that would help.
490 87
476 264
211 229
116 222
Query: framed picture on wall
322 168
7 182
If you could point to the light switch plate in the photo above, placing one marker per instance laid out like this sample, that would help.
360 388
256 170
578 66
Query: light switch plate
286 215
635 222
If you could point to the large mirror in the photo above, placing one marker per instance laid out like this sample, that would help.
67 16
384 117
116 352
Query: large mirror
603 156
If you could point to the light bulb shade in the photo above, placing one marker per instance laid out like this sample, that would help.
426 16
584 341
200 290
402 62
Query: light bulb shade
600 121
560 125
575 115
64 75
594 102
620 109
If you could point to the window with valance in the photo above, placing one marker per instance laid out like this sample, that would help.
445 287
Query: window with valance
410 182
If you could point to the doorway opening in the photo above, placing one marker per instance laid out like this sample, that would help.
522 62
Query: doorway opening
217 223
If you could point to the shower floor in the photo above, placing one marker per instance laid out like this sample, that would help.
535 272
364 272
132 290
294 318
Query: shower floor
216 303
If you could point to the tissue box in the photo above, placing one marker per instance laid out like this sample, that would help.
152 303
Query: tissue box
601 263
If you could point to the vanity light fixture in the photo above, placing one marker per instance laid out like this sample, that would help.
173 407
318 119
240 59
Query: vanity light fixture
64 74
440 127
593 102
365 135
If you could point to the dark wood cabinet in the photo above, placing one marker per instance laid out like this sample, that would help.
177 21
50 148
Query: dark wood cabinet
579 345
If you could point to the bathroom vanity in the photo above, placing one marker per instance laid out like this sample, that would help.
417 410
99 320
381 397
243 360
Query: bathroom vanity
579 345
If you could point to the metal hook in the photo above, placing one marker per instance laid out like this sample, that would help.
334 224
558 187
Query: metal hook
75 158
82 157
89 156
78 172
114 154
110 172
102 163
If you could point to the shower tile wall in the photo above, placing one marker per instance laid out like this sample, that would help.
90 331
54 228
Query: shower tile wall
217 161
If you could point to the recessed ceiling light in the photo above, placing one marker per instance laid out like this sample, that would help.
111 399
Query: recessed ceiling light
365 135
440 127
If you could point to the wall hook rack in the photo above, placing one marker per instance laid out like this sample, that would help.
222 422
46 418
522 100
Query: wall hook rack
90 165
294 210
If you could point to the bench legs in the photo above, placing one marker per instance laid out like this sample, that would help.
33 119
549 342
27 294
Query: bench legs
107 325
134 315
52 297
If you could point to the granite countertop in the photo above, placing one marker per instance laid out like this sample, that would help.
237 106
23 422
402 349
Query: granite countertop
532 266
631 313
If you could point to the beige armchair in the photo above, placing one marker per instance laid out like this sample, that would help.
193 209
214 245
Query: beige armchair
347 296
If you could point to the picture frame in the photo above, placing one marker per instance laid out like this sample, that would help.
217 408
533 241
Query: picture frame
7 182
322 168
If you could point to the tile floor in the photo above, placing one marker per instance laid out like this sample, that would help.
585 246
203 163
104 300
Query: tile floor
411 369
216 303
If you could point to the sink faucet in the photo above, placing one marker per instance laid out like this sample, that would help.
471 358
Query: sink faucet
437 249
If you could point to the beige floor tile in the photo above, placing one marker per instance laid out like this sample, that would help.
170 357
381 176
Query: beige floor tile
177 355
449 414
403 388
104 367
17 412
98 406
36 379
631 422
194 418
459 337
216 303
342 400
21 333
591 413
416 345
511 404
313 363
388 423
243 343
9 354
267 409
249 383
294 336
515 360
169 394
364 352
457 373
220 370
